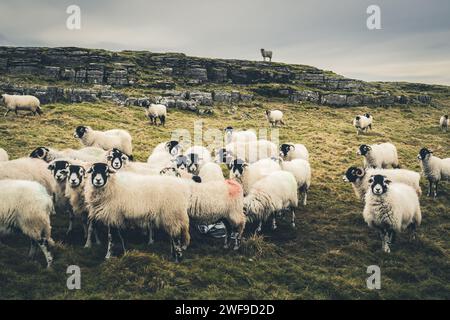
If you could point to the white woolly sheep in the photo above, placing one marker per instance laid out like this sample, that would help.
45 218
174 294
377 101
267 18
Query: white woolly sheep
156 111
172 147
28 169
120 161
247 175
163 155
239 136
88 154
211 172
362 123
266 54
290 151
249 151
270 196
301 170
443 123
117 199
26 206
391 208
274 117
116 138
359 178
197 156
379 155
434 169
3 155
16 103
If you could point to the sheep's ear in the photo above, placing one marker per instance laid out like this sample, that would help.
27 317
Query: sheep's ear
245 165
51 167
387 181
111 170
90 170
109 157
291 147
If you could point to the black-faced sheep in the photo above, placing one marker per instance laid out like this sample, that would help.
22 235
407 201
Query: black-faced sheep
16 103
434 169
379 155
116 138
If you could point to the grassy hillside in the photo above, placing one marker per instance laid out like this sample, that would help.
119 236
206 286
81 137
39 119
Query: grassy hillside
325 257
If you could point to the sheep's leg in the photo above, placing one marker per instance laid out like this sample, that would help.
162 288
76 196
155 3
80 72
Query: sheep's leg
177 252
436 188
71 218
6 113
88 243
238 233
43 245
17 113
293 218
413 231
151 239
228 235
110 244
259 228
430 187
84 221
121 240
387 237
97 238
32 251
274 222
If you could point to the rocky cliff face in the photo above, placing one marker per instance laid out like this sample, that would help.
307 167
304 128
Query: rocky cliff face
93 73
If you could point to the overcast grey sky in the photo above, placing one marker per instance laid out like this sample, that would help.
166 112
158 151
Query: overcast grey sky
413 44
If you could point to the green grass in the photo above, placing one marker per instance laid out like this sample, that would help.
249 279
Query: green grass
324 258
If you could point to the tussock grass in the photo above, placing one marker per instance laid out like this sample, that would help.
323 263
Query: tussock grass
325 257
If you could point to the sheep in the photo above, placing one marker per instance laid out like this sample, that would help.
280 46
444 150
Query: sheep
119 198
197 156
359 178
290 151
3 155
269 196
88 154
156 111
16 103
369 116
274 117
26 206
116 138
242 136
443 123
379 155
362 123
214 201
434 169
266 54
391 208
163 154
211 172
28 169
249 151
119 160
249 174
301 171
173 147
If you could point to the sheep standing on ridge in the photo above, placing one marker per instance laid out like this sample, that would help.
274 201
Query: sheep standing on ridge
274 117
3 155
116 138
379 155
391 208
266 54
26 206
16 103
434 169
443 123
156 111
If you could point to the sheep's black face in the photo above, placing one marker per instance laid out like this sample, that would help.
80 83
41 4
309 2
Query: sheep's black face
181 162
379 184
357 118
268 112
367 115
353 174
237 167
173 147
59 169
40 153
117 159
99 174
446 116
285 148
80 131
363 149
423 154
192 162
76 175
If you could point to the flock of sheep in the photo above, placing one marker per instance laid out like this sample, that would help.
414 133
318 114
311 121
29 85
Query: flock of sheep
101 184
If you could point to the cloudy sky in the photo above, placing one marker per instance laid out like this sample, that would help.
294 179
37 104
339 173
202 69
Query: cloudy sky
412 45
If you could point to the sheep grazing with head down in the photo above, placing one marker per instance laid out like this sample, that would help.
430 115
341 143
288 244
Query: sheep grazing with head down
3 155
271 195
16 103
359 178
156 111
232 135
391 208
443 123
362 123
274 117
434 169
379 155
26 206
116 138
123 198
88 154
290 151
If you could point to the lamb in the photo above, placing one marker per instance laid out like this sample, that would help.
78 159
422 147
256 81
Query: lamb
434 169
274 117
197 156
239 136
156 111
391 208
28 169
271 195
88 154
30 214
290 151
362 123
117 199
301 170
119 160
247 175
359 178
211 172
3 155
16 103
379 155
266 54
443 123
116 138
